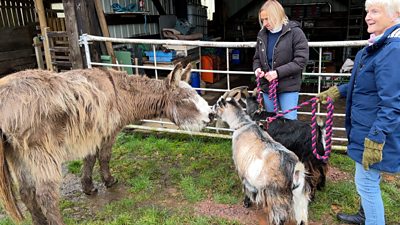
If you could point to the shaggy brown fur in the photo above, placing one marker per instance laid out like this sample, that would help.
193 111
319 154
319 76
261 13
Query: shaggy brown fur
48 118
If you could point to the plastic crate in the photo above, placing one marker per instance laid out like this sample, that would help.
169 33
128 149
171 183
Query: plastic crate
161 56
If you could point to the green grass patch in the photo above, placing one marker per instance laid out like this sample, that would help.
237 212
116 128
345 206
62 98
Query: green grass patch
75 167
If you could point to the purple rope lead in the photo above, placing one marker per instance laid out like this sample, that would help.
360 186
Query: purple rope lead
272 94
329 125
259 98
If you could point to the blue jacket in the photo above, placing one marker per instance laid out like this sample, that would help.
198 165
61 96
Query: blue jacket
373 100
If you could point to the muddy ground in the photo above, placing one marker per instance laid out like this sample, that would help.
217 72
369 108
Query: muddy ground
71 190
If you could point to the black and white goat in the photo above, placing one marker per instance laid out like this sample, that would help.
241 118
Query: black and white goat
273 177
296 136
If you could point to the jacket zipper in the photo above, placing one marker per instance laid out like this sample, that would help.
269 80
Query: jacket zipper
273 50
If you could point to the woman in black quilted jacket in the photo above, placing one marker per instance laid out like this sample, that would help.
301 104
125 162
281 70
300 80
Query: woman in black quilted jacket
281 53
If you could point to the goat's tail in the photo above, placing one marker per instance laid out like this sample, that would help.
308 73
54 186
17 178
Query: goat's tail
7 196
301 194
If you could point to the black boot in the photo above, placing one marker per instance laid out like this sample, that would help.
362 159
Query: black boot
358 218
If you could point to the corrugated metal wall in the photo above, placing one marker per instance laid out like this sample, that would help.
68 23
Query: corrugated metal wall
132 30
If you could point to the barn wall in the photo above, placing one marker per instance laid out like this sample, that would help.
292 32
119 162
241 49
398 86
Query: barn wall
132 30
17 28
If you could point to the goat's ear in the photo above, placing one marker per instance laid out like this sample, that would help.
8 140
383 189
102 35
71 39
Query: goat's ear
175 76
186 73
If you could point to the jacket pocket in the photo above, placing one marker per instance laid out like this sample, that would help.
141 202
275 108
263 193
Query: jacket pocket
363 117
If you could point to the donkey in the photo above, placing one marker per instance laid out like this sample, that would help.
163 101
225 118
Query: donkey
272 176
48 118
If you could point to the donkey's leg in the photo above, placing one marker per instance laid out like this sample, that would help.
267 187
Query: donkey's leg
104 156
28 197
25 178
47 180
87 171
48 197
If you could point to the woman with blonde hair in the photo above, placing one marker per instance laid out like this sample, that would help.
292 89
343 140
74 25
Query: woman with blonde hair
373 109
281 54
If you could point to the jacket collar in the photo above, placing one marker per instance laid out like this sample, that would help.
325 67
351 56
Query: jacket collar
285 28
392 32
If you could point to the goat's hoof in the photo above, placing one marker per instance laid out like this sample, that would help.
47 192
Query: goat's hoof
92 191
111 182
246 202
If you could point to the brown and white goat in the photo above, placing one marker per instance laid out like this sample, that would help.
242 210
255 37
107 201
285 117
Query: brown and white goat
48 118
296 136
272 176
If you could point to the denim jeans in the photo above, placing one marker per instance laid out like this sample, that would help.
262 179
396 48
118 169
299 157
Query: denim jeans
286 100
367 184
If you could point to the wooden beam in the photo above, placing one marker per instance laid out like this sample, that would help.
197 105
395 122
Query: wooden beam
159 7
43 25
37 44
73 35
104 29
98 48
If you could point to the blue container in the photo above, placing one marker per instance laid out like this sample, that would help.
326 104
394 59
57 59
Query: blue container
161 56
236 56
195 80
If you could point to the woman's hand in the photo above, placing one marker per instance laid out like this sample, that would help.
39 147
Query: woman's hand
259 73
271 75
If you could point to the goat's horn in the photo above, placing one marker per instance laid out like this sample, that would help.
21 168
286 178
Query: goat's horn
255 92
245 91
242 89
226 94
234 91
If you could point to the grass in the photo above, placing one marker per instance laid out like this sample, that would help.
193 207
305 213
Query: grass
165 175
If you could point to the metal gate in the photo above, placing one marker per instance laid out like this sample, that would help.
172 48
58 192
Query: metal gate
318 76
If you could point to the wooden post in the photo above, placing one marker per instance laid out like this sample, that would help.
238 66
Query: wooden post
104 29
136 63
73 36
37 44
43 24
46 47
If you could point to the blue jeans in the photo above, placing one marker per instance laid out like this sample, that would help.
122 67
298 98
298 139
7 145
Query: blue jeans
286 100
367 184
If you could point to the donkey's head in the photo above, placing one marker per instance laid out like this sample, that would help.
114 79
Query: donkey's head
186 108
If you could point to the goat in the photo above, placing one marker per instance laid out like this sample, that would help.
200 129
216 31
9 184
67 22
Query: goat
48 118
295 135
272 176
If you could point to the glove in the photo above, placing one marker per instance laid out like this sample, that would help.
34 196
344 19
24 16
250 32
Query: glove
372 153
332 92
259 73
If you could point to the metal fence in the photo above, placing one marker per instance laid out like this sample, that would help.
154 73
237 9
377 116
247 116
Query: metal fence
318 76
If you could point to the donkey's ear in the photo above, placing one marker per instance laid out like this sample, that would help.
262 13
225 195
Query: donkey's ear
175 76
186 73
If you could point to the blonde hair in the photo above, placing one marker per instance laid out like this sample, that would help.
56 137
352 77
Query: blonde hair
276 13
391 6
